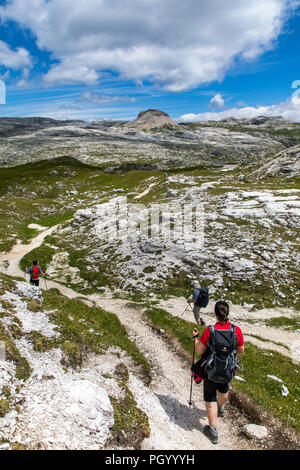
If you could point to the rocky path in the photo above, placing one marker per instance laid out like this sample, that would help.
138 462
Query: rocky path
146 191
174 425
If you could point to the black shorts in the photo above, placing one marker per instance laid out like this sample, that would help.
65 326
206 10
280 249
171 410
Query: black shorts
210 390
35 282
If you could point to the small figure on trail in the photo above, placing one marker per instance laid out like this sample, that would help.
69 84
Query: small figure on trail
218 347
199 299
35 271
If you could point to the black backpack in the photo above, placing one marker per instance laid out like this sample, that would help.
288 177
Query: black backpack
203 297
219 362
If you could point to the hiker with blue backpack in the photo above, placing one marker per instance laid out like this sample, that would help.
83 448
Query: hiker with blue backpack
218 347
200 298
35 271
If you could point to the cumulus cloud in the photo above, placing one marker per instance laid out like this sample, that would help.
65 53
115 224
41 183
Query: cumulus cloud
14 60
68 74
176 44
217 101
289 109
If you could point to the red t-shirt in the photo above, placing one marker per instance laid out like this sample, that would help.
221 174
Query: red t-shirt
226 326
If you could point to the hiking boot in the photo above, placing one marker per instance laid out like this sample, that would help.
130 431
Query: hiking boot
221 411
211 433
202 322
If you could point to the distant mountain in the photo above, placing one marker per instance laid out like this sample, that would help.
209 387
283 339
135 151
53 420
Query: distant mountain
152 139
151 119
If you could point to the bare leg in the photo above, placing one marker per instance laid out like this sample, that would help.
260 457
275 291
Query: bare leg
222 398
212 413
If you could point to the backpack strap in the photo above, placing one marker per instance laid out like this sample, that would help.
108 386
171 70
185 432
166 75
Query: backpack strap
233 336
198 296
212 338
211 344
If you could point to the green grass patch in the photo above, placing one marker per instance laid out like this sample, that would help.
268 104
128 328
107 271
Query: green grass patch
174 326
40 342
4 407
267 392
23 370
283 322
177 284
82 327
264 340
259 292
131 424
39 193
43 254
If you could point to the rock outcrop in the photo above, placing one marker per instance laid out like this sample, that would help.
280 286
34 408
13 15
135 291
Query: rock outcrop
286 164
255 432
152 118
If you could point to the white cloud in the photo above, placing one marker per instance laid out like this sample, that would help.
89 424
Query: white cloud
289 109
217 101
14 60
68 74
23 82
176 44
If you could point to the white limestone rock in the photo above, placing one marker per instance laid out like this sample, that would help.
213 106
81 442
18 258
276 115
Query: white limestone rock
254 431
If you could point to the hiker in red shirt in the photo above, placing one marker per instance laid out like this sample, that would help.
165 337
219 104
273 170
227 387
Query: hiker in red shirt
216 393
35 271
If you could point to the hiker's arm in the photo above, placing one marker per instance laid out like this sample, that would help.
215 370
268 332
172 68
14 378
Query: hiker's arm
199 347
240 341
191 299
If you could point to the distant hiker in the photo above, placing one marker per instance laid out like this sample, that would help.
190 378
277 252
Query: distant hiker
218 347
35 271
199 299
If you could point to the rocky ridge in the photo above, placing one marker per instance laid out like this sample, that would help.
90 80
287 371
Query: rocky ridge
24 140
286 164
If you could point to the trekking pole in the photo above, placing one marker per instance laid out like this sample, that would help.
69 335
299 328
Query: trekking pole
45 283
188 305
185 310
190 401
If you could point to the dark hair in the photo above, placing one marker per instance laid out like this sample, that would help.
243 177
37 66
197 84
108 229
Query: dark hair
222 310
34 262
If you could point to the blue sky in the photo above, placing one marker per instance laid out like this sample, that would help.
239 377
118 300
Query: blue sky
106 59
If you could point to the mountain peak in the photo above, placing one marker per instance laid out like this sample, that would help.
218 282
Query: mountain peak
152 118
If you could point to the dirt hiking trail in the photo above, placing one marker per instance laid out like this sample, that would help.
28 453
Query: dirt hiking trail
174 425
